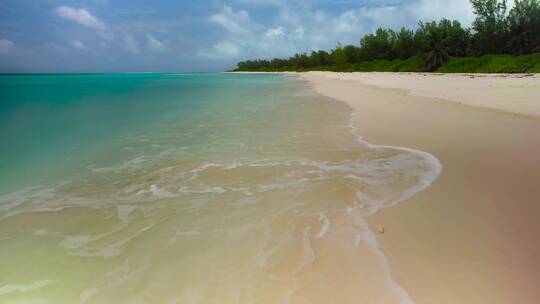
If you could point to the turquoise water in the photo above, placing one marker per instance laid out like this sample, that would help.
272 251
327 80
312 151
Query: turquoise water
191 188
53 125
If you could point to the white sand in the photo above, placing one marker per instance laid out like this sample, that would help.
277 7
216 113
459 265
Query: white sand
517 93
474 235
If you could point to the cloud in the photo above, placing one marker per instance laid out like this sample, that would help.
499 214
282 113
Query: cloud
6 46
130 44
292 31
227 48
55 46
223 50
237 23
78 45
277 32
154 44
81 16
429 10
107 36
210 36
296 26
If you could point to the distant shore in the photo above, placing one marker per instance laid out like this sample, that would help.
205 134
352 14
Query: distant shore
472 236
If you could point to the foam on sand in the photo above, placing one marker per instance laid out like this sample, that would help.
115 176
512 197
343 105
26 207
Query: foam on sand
238 202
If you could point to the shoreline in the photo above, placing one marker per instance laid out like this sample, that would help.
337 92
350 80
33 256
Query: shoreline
447 244
450 87
511 93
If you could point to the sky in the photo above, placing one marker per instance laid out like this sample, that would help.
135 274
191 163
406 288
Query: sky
192 36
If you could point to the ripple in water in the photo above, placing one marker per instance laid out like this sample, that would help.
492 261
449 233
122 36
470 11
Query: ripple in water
258 194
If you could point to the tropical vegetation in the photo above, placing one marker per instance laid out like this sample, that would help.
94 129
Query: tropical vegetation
499 40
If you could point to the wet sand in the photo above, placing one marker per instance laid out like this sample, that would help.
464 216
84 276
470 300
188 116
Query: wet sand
234 198
473 236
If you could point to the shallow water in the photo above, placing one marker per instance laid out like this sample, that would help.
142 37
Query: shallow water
191 188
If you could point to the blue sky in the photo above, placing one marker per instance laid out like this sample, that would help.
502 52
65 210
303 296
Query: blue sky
181 35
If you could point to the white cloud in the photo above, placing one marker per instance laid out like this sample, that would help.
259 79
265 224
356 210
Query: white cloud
264 2
56 47
81 16
222 50
303 26
298 33
277 32
78 45
430 10
154 44
6 46
131 44
107 36
237 23
227 48
242 36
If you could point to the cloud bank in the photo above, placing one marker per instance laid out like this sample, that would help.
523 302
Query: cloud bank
187 35
304 26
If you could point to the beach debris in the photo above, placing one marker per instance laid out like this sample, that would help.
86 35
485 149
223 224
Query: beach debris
380 229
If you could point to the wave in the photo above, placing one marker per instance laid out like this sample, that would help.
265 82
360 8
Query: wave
186 201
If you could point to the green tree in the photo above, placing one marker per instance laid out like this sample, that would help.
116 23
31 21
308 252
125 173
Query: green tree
434 41
338 54
351 53
299 60
377 46
315 59
278 63
524 27
490 32
326 58
493 31
405 45
458 39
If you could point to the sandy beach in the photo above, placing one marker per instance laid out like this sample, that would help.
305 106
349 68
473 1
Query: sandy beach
259 189
472 237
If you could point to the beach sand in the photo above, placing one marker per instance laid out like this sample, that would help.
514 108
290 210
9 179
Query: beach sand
474 235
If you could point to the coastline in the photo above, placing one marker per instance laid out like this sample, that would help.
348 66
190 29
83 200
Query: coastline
482 90
512 93
470 237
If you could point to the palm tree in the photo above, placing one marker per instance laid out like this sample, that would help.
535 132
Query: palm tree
435 58
434 45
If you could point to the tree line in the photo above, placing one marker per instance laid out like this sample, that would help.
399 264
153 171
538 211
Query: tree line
496 30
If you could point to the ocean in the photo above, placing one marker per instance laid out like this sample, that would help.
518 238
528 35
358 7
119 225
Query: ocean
191 188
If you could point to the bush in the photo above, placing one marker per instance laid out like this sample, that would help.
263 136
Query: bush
493 64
